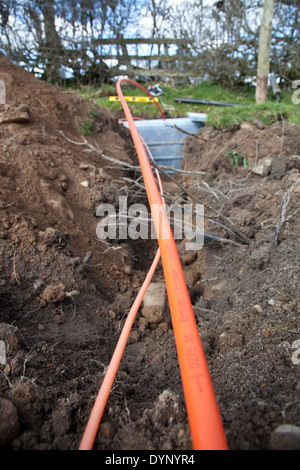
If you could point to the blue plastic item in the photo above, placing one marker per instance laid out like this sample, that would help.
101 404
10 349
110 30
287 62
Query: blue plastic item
165 138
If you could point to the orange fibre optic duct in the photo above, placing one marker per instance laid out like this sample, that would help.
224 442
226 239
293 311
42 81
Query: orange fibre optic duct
91 429
203 414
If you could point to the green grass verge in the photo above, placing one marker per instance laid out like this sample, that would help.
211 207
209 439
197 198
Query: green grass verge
268 113
219 117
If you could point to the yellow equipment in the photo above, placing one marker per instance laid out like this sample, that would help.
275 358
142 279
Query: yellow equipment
137 99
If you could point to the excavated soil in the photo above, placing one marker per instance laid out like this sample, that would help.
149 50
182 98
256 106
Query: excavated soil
64 293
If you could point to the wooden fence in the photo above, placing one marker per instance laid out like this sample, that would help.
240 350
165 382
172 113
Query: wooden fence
157 65
168 57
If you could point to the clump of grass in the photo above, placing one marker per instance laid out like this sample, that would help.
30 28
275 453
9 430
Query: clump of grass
237 158
88 126
267 113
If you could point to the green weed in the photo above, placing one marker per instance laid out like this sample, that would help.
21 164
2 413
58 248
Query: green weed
237 158
88 125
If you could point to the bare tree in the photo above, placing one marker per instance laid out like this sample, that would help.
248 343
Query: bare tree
263 65
52 41
64 38
59 37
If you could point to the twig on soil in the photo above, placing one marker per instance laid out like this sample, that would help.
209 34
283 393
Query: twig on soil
31 311
292 215
24 366
69 294
93 148
228 242
183 131
142 187
163 169
111 247
205 310
255 162
262 224
15 274
9 205
234 229
120 321
8 381
105 367
127 410
223 219
39 101
214 191
210 190
135 183
282 136
283 210
175 170
87 258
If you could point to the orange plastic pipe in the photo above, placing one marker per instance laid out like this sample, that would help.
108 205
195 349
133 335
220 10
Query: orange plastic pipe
204 419
92 426
93 423
143 89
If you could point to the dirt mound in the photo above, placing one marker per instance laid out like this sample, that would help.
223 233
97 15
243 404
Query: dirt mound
249 311
64 293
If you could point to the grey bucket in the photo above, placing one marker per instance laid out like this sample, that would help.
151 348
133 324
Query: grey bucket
165 138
